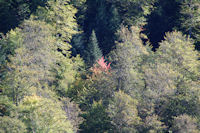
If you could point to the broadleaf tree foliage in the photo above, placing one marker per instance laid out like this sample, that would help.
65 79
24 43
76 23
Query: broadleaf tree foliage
103 66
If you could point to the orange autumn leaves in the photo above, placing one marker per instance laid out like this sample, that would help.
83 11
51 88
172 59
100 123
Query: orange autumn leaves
101 67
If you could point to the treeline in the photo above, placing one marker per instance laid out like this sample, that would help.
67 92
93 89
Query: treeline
105 66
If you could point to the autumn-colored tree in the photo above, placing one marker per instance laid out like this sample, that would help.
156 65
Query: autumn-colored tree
100 67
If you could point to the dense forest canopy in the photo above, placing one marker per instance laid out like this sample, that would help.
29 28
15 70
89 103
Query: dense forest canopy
99 66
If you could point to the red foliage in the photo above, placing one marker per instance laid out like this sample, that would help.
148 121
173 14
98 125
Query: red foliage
101 66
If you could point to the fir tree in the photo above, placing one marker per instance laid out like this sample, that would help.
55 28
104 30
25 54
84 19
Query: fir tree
104 19
126 9
93 51
107 23
190 19
13 13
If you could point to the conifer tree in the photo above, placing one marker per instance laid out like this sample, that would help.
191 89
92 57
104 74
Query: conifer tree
126 9
93 51
190 19
114 20
107 23
104 19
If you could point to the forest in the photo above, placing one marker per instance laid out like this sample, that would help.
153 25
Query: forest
99 66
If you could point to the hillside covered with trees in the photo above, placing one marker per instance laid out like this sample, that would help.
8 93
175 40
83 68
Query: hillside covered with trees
99 66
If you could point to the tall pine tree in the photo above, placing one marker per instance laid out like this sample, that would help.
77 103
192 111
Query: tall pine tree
93 52
190 20
104 19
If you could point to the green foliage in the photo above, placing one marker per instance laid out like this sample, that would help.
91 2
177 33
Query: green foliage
164 18
61 15
140 8
66 72
44 115
6 106
160 80
8 44
104 19
126 58
32 61
93 52
11 125
73 113
13 12
96 86
132 90
152 124
179 51
184 101
10 86
176 78
96 119
123 113
184 124
104 88
190 19
106 24
78 3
